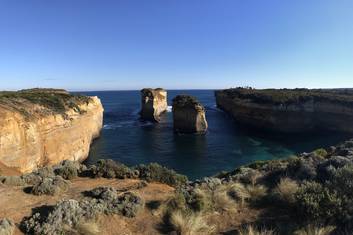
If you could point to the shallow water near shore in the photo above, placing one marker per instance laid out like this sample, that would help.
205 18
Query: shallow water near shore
226 146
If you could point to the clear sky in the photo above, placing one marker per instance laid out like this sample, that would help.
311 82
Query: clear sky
175 44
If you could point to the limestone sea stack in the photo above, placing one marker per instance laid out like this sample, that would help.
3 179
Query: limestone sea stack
40 127
188 115
290 110
153 103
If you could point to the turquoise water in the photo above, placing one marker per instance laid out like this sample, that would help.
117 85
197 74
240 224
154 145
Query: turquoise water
226 145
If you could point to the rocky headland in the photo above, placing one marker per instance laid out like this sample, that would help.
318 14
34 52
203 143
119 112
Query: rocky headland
290 110
153 103
188 115
41 127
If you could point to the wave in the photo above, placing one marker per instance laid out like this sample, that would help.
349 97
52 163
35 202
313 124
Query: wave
124 124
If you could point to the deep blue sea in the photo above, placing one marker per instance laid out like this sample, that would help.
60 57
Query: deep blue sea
225 146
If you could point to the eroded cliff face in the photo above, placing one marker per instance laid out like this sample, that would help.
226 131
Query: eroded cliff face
188 115
302 111
32 139
153 103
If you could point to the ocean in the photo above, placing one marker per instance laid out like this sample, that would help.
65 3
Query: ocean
226 146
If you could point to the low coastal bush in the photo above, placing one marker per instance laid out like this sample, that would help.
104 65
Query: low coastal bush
51 186
320 152
317 203
68 169
185 101
112 169
68 215
158 173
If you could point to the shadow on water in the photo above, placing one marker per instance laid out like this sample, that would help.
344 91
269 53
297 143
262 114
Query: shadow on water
226 145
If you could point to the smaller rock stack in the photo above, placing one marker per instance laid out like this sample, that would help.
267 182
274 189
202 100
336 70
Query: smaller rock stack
188 115
153 103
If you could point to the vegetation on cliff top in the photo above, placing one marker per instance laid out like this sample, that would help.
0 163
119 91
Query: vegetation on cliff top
186 101
52 101
290 96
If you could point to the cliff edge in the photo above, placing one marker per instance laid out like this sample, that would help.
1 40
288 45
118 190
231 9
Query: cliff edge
290 110
40 127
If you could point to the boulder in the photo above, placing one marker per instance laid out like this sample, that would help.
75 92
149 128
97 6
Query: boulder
188 115
153 103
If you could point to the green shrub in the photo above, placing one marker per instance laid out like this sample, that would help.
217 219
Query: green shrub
177 202
158 173
317 203
342 183
111 169
68 170
320 152
51 186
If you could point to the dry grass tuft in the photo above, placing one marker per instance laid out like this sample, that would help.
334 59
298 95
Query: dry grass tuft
88 228
190 224
286 190
256 192
315 230
247 193
250 230
222 201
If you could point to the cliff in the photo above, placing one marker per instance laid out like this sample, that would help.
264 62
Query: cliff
153 103
44 127
188 115
290 110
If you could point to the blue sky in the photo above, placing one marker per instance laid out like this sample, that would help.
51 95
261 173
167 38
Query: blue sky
130 44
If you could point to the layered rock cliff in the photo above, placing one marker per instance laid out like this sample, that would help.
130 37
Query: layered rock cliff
188 115
289 110
153 103
44 127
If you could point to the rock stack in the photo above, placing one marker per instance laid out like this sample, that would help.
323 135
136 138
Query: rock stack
188 115
153 103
